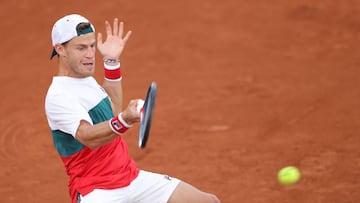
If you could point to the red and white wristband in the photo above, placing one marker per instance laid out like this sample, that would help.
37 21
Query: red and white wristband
118 125
112 73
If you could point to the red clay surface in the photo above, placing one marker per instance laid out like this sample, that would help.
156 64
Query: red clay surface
245 88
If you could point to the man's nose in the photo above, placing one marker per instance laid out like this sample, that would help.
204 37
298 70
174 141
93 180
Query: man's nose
90 52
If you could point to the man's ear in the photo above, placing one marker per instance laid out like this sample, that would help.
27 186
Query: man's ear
60 49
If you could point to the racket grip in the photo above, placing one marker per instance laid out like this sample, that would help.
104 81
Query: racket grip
140 105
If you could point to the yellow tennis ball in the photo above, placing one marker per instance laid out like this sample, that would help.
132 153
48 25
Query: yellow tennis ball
289 175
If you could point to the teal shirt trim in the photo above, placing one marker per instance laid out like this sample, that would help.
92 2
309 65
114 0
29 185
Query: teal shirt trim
66 145
101 112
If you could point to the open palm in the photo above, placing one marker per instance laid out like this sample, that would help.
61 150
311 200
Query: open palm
115 41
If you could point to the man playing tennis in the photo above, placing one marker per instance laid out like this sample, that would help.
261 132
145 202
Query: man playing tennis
87 122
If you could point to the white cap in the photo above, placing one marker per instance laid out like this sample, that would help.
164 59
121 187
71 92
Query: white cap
65 29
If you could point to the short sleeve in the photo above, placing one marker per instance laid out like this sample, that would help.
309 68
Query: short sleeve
64 113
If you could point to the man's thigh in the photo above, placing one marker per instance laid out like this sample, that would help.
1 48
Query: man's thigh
185 192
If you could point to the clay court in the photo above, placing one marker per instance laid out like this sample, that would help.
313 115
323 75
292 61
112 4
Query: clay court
244 89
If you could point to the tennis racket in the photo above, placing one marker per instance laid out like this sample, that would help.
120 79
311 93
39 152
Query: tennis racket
146 109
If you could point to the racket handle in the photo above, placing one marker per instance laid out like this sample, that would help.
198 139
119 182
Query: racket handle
140 105
140 108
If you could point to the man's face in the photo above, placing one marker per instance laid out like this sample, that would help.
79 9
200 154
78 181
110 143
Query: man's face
79 55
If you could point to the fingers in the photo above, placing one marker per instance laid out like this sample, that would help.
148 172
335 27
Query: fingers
99 39
131 111
117 29
133 104
112 43
121 30
127 36
108 28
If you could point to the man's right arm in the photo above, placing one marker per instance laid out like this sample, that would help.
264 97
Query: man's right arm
94 136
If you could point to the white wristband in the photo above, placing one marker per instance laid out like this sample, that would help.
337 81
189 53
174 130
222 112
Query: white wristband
123 121
113 80
108 67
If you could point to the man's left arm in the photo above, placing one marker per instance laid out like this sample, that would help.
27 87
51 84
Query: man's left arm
111 50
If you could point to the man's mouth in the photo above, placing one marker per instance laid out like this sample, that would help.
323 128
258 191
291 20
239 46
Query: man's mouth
88 64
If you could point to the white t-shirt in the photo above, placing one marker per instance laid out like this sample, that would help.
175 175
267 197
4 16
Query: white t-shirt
69 101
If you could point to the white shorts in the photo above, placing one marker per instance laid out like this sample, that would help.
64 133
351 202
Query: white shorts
146 188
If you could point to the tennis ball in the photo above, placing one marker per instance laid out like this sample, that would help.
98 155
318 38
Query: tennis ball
289 175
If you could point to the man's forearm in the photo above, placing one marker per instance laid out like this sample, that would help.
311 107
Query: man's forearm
114 90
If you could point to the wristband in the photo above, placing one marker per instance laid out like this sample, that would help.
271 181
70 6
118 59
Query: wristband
118 125
112 73
111 67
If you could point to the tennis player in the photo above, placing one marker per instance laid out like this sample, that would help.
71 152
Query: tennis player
87 121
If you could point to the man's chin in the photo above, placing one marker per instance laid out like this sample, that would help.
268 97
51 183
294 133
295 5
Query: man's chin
89 69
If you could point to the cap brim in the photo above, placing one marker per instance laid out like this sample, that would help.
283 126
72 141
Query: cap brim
53 53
